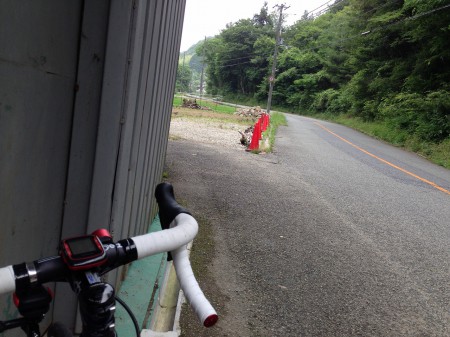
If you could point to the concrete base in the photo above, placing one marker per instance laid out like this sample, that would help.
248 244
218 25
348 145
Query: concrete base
151 333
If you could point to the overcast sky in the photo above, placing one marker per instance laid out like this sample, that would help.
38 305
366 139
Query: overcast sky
208 17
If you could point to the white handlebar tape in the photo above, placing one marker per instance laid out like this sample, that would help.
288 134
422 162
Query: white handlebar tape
7 280
194 295
183 230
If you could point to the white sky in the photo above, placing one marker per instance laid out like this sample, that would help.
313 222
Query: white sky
208 17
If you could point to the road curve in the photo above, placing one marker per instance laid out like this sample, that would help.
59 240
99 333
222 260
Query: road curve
335 234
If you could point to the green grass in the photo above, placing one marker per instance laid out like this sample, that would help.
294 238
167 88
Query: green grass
376 129
214 106
441 153
244 100
276 119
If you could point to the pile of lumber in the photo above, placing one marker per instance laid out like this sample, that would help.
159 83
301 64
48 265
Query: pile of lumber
250 112
246 136
192 104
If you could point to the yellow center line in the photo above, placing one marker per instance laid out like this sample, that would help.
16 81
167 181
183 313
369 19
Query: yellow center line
385 161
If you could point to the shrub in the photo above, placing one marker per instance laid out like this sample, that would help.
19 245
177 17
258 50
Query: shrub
323 100
331 101
425 116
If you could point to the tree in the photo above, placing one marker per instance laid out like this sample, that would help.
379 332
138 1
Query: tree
183 80
263 19
237 59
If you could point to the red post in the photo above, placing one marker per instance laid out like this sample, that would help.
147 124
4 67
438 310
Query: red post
254 144
265 121
258 126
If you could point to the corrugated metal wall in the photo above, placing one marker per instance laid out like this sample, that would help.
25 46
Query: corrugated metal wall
38 71
86 90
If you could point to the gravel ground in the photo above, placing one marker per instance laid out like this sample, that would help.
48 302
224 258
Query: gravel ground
222 134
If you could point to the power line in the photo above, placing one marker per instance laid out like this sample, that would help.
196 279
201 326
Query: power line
311 14
428 12
414 17
315 9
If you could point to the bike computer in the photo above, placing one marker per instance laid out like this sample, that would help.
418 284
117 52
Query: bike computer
83 252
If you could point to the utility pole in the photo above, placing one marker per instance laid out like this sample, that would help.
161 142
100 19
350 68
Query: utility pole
275 54
201 77
182 88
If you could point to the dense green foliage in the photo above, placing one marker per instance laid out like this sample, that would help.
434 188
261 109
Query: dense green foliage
189 70
184 77
233 57
384 61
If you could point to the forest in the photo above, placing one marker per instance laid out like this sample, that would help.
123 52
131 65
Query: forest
379 61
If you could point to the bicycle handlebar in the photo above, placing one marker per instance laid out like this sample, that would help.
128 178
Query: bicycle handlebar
171 215
7 277
180 228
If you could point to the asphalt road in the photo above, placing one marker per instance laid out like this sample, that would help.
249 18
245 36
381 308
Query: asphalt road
334 234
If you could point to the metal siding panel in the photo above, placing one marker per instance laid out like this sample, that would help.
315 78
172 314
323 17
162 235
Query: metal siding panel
139 148
40 34
35 124
156 112
173 52
38 62
153 82
84 137
112 116
86 116
139 183
134 169
161 96
176 13
126 166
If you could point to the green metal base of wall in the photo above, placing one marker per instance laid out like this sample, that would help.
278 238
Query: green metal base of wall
140 290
